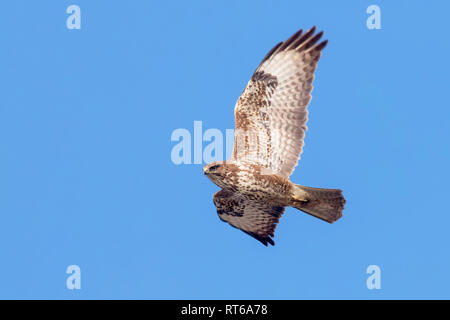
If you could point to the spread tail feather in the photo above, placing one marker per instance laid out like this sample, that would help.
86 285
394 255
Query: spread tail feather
325 204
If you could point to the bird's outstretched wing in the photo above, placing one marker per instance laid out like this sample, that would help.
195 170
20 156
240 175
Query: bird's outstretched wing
256 218
271 113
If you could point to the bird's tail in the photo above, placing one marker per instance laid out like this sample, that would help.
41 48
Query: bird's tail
325 204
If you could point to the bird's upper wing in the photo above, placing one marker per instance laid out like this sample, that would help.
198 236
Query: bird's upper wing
271 113
256 218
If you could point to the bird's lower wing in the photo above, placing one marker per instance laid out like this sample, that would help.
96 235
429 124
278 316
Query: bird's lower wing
256 218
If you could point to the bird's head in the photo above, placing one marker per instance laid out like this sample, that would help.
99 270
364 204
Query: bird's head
215 171
213 168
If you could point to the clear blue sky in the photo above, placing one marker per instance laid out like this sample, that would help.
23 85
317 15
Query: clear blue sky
86 176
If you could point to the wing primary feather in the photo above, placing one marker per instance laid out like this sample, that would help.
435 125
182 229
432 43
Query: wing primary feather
320 46
296 42
270 53
310 42
263 240
303 38
286 45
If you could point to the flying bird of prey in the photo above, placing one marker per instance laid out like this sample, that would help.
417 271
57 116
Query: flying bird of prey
271 116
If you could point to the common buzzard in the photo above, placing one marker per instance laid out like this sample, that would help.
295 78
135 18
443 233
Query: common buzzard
271 116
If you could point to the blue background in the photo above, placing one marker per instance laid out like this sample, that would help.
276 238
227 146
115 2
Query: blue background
86 176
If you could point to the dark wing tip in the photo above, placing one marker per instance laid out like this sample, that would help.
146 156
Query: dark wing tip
291 40
308 43
263 239
321 45
298 41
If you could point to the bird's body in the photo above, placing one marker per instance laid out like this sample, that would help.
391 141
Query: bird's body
271 116
252 182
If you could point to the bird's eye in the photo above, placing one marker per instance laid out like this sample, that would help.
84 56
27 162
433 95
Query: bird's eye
213 168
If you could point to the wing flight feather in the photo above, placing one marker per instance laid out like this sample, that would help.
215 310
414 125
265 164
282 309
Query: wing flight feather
256 218
271 113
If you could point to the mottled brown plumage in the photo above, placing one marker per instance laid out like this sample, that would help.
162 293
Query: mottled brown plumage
271 116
